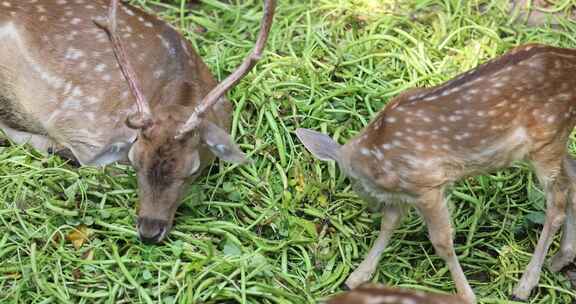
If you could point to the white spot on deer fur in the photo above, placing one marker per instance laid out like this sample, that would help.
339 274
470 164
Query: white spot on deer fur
83 65
148 24
184 47
106 77
75 21
398 133
72 35
454 118
100 67
77 92
67 88
71 103
364 151
40 9
6 4
391 119
378 154
158 74
387 146
551 119
73 54
89 116
430 98
128 11
61 2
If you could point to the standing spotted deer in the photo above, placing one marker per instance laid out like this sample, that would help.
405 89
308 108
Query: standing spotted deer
521 106
107 82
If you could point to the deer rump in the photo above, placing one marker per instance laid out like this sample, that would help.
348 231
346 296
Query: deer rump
61 86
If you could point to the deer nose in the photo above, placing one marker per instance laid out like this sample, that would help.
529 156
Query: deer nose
151 230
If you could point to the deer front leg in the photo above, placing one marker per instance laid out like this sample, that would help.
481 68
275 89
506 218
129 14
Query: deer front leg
555 216
433 208
567 251
391 217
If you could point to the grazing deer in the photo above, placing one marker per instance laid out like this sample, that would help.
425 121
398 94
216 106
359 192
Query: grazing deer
521 106
146 98
375 294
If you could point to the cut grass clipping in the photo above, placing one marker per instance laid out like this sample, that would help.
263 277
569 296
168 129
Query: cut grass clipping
287 228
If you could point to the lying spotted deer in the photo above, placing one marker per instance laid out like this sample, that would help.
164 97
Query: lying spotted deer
521 106
375 294
146 98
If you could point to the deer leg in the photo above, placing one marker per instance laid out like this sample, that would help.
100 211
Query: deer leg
391 217
433 208
567 251
554 181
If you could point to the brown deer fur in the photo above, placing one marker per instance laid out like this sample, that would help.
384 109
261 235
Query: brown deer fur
375 294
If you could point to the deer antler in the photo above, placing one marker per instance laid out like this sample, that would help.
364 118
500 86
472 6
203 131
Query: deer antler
212 97
127 70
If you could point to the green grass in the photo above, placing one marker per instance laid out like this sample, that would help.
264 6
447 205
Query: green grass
287 228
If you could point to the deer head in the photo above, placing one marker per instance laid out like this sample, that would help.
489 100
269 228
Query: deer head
176 141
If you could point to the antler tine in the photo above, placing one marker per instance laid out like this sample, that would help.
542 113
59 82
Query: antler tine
124 63
212 97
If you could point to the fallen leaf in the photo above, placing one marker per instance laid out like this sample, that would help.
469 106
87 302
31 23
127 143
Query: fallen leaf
78 236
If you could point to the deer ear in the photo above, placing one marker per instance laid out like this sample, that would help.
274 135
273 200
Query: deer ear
320 145
221 144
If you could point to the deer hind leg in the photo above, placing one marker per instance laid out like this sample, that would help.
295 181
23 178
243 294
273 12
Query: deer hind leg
550 173
567 251
434 209
391 218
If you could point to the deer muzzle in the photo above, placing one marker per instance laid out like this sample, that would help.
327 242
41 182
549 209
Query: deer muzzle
151 230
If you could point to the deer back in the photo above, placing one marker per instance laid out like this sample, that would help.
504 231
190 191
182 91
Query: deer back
481 120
